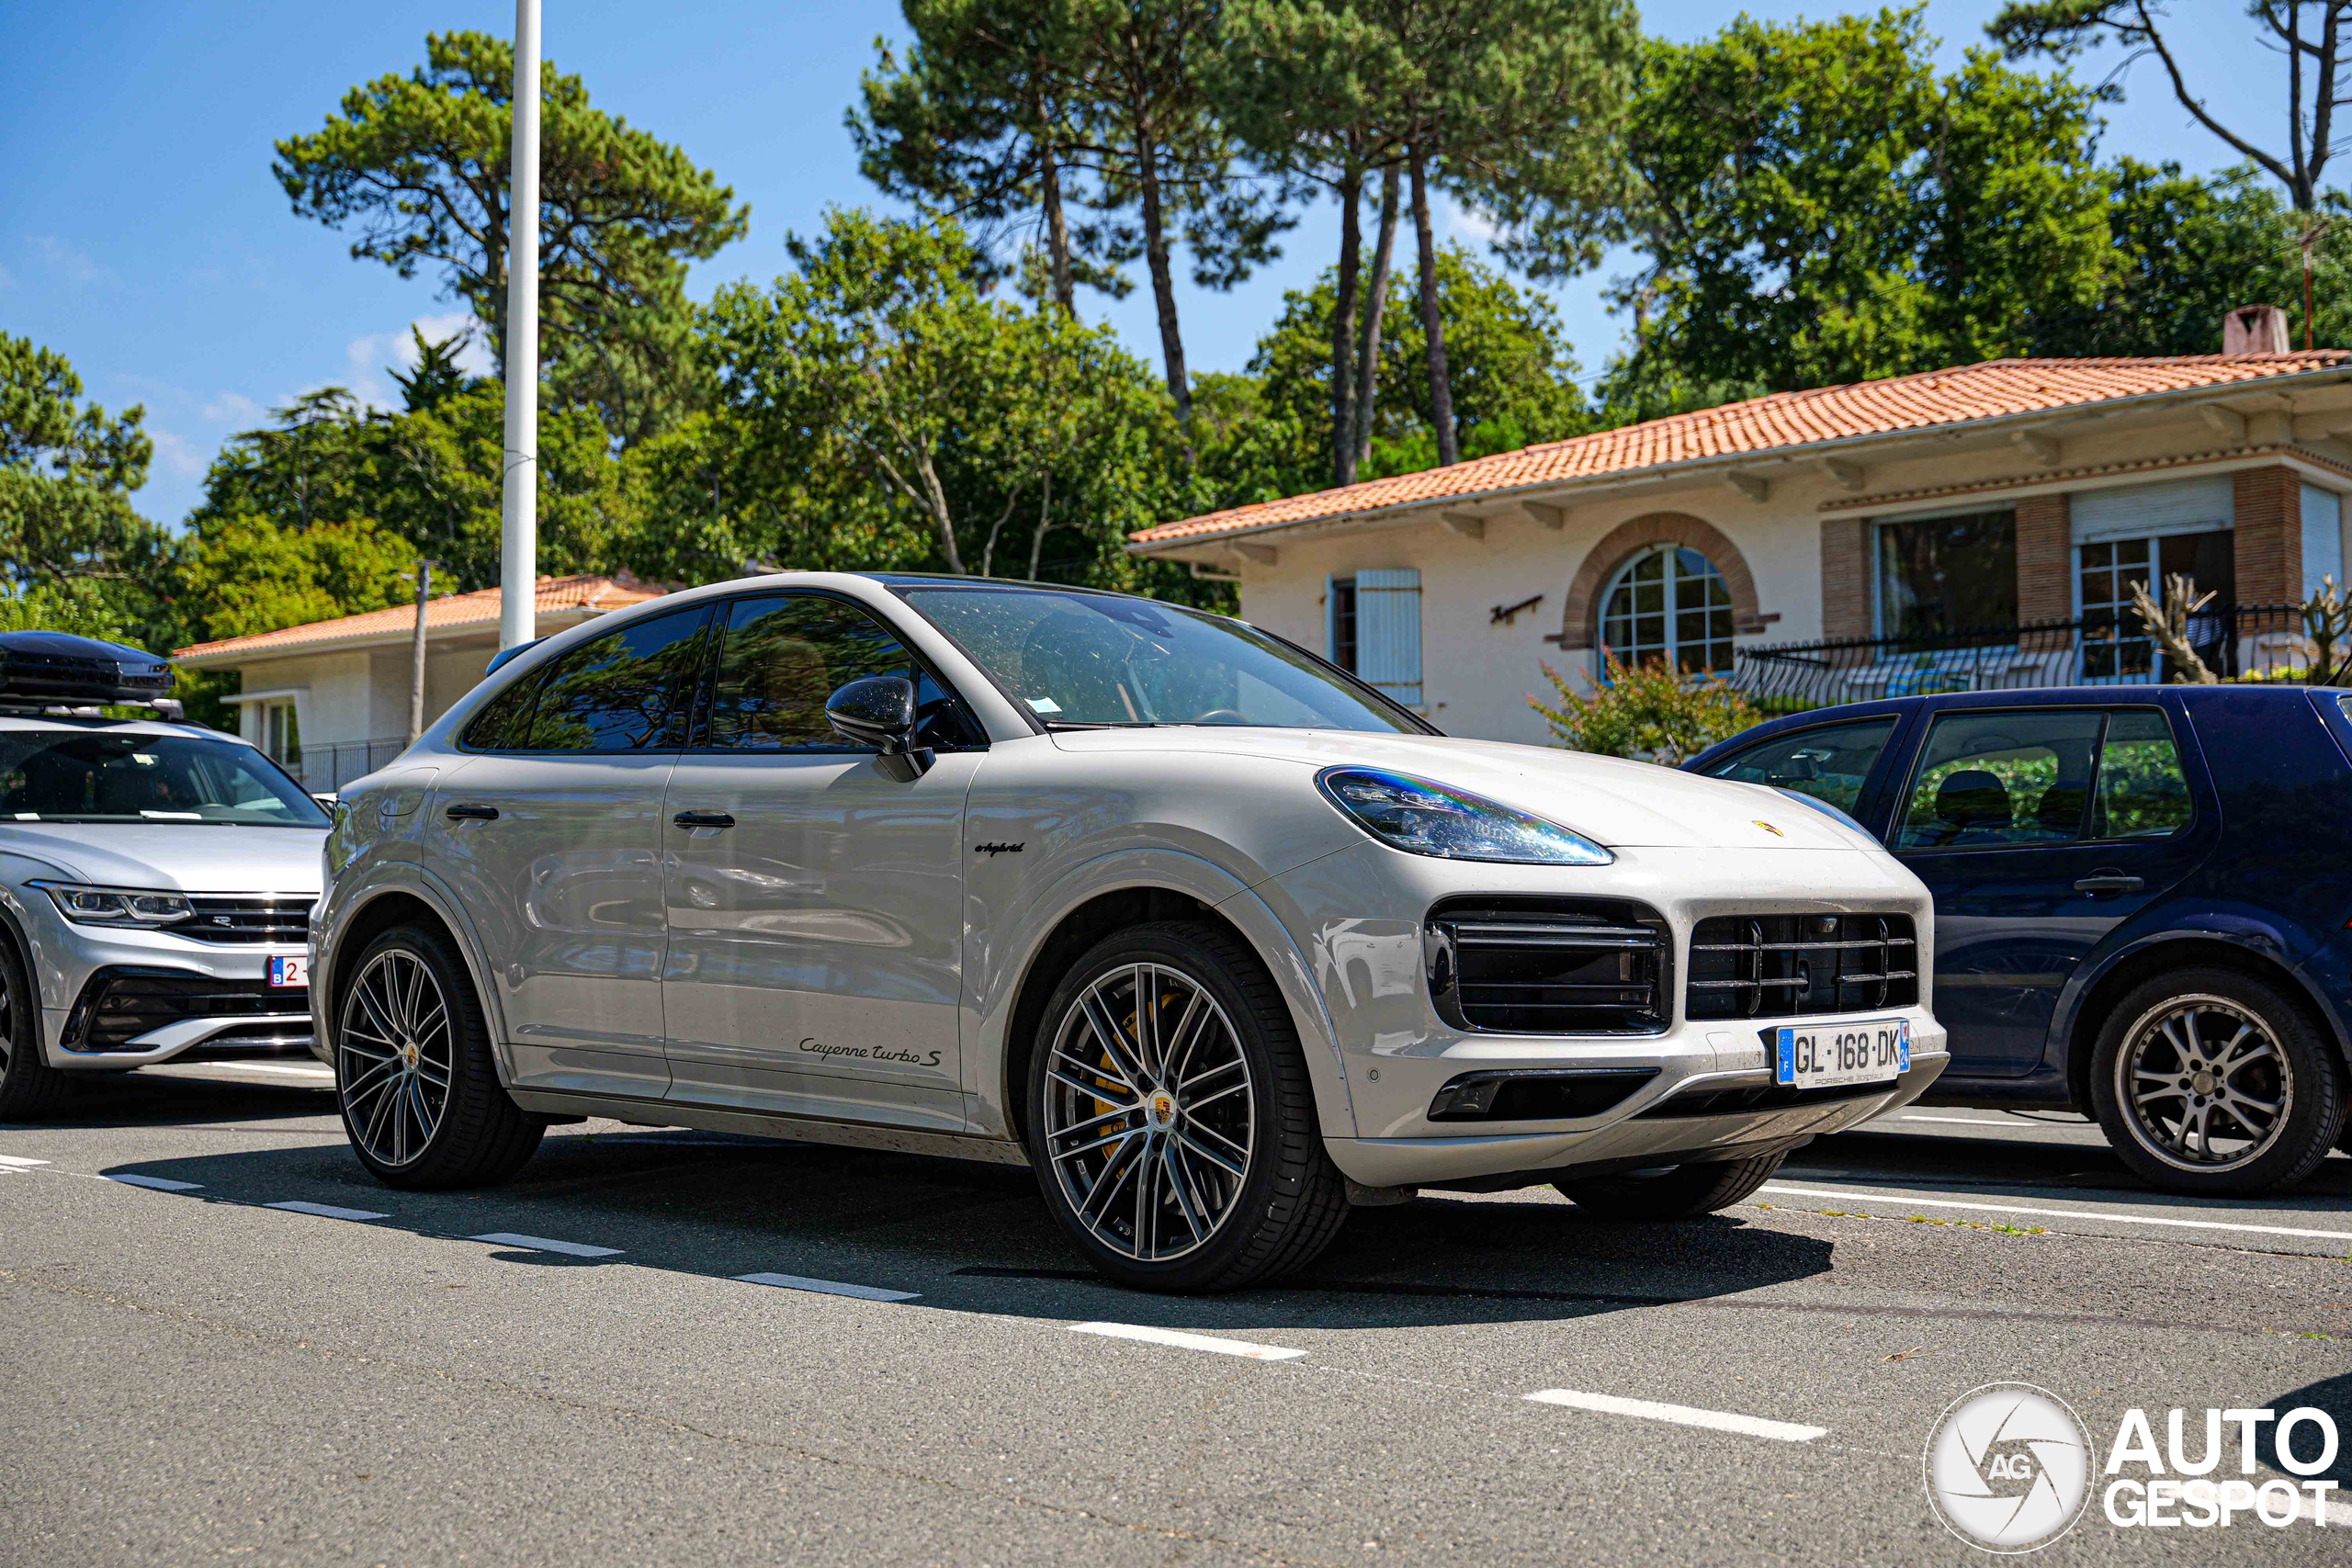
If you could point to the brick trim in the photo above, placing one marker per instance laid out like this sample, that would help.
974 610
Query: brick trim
2268 548
1581 622
2045 558
1845 578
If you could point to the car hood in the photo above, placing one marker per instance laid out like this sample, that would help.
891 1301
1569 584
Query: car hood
202 859
1611 800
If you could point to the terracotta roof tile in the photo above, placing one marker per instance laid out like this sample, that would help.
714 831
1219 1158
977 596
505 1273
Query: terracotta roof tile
1993 390
557 595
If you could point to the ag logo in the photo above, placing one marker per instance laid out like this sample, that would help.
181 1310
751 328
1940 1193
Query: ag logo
2009 1467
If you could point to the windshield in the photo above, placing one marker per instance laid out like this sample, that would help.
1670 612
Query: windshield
1092 658
50 775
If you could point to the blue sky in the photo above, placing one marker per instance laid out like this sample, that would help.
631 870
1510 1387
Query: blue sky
141 234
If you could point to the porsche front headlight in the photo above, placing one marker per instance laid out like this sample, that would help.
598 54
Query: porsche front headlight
1425 819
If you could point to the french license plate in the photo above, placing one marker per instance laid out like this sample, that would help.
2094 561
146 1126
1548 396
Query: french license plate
292 969
1871 1052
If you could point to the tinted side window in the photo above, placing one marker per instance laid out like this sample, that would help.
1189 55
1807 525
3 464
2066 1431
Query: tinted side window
1986 779
786 654
1830 763
504 723
2143 793
631 690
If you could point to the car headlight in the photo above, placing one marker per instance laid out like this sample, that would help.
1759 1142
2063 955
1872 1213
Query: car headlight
1425 819
117 905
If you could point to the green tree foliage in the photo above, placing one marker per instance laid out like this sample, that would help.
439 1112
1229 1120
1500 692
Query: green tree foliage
417 164
430 476
1649 712
1818 205
2310 34
247 575
74 555
2186 249
1512 374
1505 102
981 124
876 409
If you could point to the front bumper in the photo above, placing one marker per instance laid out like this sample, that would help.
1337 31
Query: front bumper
224 1008
1646 1129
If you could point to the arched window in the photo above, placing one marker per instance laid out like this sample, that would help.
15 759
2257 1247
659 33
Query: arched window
1668 604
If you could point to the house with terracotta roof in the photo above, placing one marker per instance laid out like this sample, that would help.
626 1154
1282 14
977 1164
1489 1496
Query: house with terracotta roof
1979 525
330 700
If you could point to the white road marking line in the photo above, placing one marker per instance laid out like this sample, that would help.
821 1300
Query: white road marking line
325 1211
1681 1415
160 1183
1964 1121
1853 1195
542 1244
829 1286
1217 1343
19 1162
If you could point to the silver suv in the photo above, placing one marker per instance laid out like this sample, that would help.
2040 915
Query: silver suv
155 888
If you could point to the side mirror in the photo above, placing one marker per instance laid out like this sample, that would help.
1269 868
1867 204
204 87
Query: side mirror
879 712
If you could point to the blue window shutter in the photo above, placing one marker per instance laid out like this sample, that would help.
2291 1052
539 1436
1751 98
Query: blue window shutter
1388 633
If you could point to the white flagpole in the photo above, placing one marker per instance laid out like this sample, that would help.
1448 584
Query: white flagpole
519 569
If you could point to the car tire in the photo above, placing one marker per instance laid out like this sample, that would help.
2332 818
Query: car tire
1676 1192
2183 1036
29 1088
414 1077
1190 1160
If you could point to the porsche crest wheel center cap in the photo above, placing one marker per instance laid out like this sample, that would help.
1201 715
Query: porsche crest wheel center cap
1160 1106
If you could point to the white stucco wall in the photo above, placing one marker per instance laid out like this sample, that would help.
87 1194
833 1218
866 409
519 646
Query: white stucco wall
1476 675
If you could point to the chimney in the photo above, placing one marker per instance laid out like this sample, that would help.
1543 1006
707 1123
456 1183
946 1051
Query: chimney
2255 329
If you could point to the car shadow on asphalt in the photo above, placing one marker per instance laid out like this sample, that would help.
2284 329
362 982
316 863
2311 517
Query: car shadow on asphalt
2332 1395
2017 1168
977 1237
145 1100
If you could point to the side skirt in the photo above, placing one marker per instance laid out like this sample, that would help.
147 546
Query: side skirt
769 1124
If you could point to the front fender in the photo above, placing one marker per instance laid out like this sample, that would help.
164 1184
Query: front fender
2251 932
1017 936
384 879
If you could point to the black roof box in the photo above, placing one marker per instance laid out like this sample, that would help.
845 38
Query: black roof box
51 669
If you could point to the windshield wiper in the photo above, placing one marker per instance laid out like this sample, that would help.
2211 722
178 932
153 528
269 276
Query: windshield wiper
1074 723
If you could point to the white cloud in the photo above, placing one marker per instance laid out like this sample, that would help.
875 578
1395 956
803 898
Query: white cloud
7 279
1466 224
78 266
179 456
233 408
371 357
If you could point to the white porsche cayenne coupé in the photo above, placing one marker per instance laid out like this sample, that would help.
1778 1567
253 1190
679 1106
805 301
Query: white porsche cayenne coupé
1213 937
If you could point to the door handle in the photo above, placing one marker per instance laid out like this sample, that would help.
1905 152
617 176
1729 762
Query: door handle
703 819
472 813
2109 882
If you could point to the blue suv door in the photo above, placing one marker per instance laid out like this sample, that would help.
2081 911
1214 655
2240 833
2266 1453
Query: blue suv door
2040 830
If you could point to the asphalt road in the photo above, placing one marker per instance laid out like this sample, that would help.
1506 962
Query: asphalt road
189 1374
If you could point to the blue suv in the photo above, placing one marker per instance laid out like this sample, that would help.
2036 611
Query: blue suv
2142 897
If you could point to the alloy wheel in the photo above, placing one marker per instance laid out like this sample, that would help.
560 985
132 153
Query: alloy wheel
2204 1083
394 1057
1150 1113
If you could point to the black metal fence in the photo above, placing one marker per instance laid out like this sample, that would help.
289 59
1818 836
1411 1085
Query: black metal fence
2238 642
325 769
